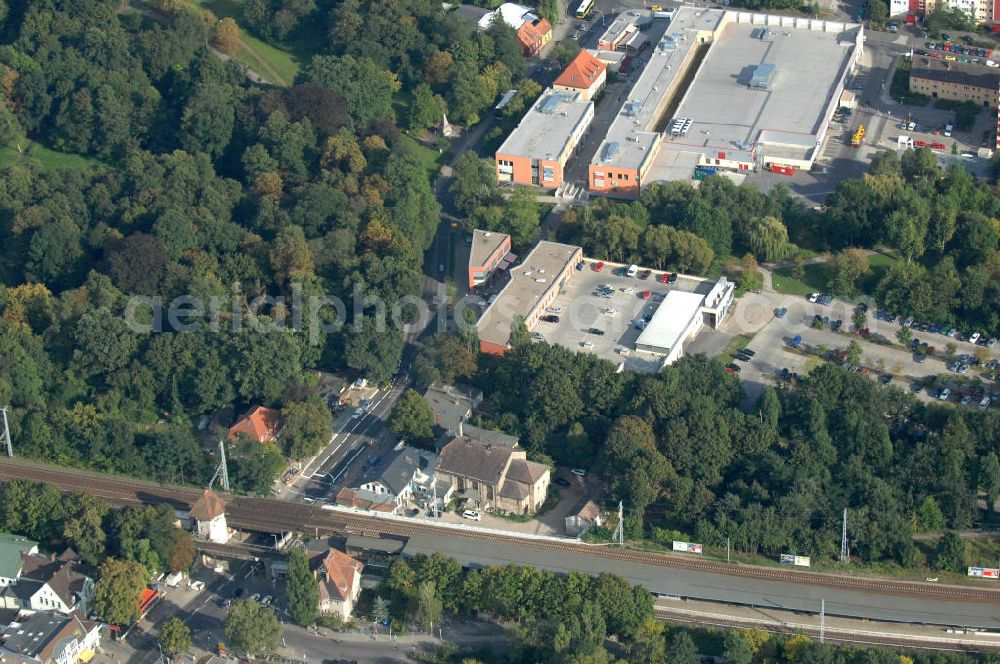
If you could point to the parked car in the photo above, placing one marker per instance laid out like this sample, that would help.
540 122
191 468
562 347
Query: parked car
885 379
254 597
733 367
644 274
747 351
266 601
595 330
598 266
472 515
974 337
554 310
549 319
562 481
945 393
538 336
672 278
664 278
579 472
781 313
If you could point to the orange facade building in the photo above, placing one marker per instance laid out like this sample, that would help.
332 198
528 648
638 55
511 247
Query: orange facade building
537 150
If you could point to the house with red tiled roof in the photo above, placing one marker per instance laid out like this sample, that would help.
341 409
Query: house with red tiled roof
339 583
533 35
585 75
261 425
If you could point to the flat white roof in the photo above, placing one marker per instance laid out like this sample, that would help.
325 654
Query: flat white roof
671 320
730 117
548 125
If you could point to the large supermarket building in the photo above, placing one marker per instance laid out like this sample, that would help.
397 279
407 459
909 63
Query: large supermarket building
759 89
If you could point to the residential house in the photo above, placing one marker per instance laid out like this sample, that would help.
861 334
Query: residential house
339 582
533 34
261 425
582 517
13 548
410 471
585 74
50 637
489 252
50 583
209 516
452 404
493 476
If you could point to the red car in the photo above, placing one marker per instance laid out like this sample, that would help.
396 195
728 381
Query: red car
937 146
644 294
663 277
920 144
598 266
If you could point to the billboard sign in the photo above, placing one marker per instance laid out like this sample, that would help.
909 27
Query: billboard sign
687 547
799 561
985 572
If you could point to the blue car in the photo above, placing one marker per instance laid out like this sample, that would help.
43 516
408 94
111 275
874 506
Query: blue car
780 313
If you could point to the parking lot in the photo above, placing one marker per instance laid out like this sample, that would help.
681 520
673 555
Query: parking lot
580 309
774 354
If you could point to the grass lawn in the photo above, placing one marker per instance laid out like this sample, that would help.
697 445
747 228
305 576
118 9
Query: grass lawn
430 158
51 160
738 343
880 265
277 65
818 275
814 280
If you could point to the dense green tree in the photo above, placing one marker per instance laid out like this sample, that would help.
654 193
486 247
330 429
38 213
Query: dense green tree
118 589
252 628
411 417
951 553
302 589
365 87
681 649
308 426
175 637
473 182
429 607
737 648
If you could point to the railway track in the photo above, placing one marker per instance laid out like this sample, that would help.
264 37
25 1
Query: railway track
270 515
835 635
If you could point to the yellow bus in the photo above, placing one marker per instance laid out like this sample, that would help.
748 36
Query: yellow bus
584 9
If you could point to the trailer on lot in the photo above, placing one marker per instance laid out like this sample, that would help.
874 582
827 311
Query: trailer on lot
781 169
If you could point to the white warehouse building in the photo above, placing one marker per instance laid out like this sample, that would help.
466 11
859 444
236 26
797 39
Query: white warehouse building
676 320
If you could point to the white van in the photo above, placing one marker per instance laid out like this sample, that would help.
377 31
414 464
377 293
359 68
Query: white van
632 270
